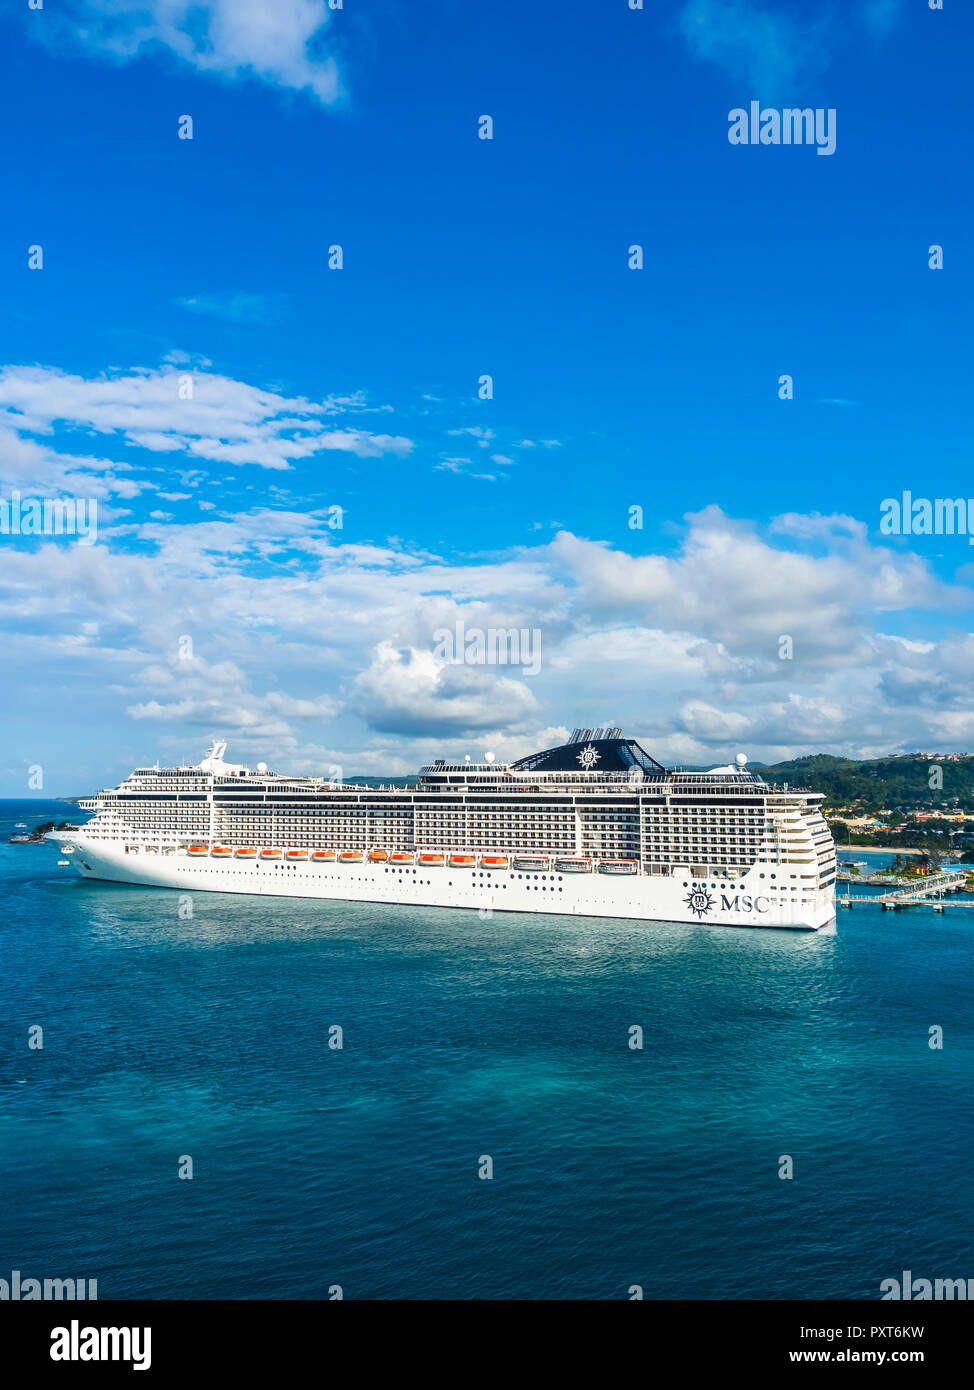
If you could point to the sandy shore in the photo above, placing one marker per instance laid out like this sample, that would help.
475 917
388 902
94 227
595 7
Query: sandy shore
876 849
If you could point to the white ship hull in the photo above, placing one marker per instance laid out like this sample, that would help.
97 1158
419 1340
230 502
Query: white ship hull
756 899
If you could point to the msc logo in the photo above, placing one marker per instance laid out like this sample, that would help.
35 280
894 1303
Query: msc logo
745 903
699 901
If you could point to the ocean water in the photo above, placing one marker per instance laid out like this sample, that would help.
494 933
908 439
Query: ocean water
358 1167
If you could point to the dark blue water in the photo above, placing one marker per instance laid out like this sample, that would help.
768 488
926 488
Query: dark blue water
612 1167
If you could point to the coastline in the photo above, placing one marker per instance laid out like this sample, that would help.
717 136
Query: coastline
878 849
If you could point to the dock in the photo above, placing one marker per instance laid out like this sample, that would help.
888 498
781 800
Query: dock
916 895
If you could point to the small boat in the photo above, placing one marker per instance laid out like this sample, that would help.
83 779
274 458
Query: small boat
618 866
64 863
531 862
271 854
351 856
21 825
67 849
573 866
402 856
221 851
494 861
245 853
323 856
431 861
296 854
463 861
199 849
378 856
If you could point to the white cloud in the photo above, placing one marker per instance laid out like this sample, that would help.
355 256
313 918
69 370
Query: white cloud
218 697
281 42
332 656
237 306
773 48
225 421
814 526
477 432
768 48
411 692
37 470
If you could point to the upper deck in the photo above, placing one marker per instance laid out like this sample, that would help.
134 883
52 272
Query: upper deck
601 765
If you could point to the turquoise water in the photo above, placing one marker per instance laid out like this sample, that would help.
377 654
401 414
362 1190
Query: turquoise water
314 1167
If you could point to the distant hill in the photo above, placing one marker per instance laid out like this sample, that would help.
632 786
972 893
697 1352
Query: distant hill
890 782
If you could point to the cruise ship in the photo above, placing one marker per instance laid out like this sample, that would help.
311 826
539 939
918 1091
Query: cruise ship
593 828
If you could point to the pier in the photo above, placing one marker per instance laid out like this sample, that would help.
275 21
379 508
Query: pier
915 895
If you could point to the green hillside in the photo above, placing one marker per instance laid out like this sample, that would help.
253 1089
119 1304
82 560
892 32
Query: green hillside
880 782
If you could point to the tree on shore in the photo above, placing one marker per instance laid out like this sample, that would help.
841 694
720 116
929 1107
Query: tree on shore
930 860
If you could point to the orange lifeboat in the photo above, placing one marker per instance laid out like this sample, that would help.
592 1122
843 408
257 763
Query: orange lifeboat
270 854
221 851
493 861
323 856
402 857
351 856
431 861
199 849
378 856
246 853
463 861
296 854
618 866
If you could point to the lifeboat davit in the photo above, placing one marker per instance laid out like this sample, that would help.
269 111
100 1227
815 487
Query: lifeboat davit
531 862
323 856
199 849
378 856
351 856
221 851
401 856
296 854
618 866
431 861
463 861
573 866
270 854
493 861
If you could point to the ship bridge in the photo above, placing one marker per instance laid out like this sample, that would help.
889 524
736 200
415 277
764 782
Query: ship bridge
600 751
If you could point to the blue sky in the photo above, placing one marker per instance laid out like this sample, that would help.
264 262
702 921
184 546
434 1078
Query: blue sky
358 388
